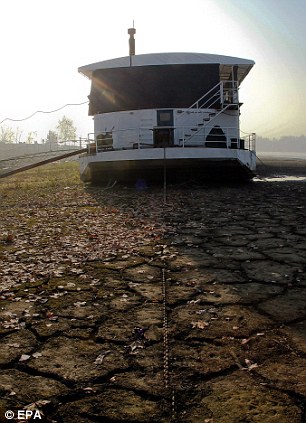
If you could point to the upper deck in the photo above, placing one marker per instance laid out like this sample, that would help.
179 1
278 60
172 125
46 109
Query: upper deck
161 80
225 63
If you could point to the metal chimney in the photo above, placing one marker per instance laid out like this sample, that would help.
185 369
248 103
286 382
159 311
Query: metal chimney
132 32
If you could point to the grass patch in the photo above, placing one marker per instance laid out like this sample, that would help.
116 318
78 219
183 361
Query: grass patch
48 177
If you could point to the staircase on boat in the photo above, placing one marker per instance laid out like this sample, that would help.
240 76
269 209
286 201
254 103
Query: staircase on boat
220 98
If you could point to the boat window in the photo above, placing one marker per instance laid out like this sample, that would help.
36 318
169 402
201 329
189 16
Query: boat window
150 87
164 117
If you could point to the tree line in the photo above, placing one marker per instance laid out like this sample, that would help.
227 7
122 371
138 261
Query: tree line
65 131
284 144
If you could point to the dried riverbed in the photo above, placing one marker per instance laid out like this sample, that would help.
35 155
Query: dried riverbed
85 273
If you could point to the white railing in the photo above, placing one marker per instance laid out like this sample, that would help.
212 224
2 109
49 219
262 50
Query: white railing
222 95
140 138
244 141
250 141
210 106
133 139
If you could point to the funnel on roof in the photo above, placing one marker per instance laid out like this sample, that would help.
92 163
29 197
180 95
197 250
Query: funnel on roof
132 32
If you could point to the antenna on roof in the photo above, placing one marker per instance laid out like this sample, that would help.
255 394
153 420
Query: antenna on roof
132 32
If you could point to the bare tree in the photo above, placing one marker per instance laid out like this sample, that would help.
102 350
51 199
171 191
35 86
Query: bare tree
18 134
7 134
52 136
32 137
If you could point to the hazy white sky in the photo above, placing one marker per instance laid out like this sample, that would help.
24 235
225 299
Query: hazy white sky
43 42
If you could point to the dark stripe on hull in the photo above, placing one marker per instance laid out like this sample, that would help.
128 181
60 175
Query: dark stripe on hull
179 170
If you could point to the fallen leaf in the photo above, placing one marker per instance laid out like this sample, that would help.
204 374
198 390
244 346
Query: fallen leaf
80 303
136 345
100 358
51 316
24 357
36 355
250 364
194 302
199 324
246 341
89 390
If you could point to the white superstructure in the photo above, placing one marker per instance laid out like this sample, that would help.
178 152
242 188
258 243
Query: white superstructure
175 110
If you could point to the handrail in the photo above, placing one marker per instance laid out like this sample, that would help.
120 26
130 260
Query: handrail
225 87
227 95
200 128
198 139
200 99
248 140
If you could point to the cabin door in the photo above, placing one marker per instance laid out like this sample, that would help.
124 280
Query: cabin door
163 133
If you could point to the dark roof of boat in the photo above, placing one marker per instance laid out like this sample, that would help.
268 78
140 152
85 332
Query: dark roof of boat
157 59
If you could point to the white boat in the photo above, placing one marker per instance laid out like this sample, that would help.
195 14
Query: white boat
173 113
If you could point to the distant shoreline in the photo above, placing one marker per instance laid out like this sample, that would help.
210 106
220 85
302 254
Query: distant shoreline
279 164
281 155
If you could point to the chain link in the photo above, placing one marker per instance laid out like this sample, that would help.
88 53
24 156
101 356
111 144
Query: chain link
167 375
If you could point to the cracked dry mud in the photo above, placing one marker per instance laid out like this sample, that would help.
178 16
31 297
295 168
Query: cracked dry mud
90 344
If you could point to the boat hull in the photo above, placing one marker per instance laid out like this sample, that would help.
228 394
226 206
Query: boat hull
176 164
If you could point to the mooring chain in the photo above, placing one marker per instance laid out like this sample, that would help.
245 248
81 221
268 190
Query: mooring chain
167 375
